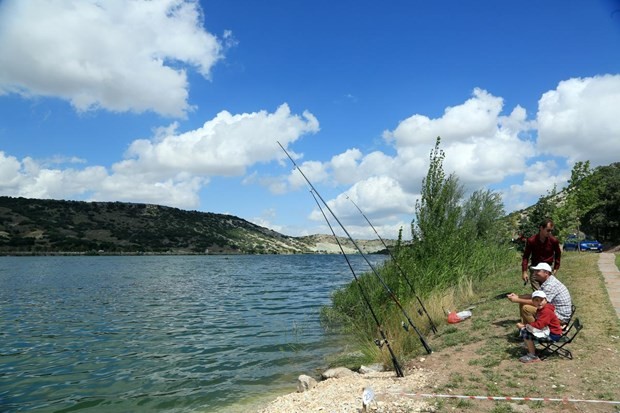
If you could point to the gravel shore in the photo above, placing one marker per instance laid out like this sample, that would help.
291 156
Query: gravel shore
344 395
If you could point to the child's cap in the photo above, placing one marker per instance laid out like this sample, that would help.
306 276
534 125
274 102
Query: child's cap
539 294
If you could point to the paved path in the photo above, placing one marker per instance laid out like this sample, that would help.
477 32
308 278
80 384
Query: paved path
607 265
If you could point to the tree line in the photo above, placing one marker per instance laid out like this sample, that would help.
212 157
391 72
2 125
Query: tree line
589 205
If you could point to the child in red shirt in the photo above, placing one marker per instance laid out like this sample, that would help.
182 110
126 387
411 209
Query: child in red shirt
546 326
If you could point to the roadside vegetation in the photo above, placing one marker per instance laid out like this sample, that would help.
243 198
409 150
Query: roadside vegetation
462 258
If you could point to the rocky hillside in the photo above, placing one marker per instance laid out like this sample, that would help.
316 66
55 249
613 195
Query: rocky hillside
35 226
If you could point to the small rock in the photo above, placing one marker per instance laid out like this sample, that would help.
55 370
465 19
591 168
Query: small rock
336 373
377 367
305 383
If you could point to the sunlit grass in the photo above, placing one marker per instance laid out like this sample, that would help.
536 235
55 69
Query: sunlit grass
486 341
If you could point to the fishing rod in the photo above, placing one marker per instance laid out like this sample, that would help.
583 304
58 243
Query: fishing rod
384 341
433 327
385 286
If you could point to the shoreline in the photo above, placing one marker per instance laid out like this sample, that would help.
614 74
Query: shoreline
344 394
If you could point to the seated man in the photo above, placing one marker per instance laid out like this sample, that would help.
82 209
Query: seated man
556 292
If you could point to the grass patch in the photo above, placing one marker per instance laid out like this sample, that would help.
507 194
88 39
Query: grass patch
487 360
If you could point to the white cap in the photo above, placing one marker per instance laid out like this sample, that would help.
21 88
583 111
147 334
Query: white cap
541 266
540 294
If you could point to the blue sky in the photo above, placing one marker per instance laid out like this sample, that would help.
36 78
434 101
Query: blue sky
181 103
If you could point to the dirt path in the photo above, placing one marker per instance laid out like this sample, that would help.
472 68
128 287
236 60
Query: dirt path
611 274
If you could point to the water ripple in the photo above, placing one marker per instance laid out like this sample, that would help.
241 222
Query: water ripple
174 334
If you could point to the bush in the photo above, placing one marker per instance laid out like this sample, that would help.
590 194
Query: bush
455 242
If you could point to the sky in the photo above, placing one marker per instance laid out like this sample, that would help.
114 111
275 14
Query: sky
183 103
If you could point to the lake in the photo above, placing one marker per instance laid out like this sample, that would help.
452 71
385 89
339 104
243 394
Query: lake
163 333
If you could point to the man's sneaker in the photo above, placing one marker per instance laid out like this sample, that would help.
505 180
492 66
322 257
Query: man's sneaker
529 358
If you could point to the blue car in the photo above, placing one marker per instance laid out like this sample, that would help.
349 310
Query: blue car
587 244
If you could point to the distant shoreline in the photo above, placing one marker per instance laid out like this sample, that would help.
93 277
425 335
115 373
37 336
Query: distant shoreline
178 253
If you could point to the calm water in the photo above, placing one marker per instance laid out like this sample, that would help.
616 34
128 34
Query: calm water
169 334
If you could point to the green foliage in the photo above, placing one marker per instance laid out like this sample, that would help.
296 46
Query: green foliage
592 203
438 210
581 197
455 241
603 218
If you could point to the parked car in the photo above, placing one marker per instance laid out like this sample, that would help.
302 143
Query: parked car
572 243
590 244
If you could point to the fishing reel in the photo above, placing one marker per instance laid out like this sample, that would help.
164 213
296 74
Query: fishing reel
380 343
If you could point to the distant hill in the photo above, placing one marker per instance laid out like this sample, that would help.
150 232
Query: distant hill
37 226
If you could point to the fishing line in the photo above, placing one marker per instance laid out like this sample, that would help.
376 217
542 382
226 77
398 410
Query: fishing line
503 398
397 368
433 327
385 286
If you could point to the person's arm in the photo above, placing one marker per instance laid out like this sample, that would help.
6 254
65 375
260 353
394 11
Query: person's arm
557 255
543 319
525 260
520 299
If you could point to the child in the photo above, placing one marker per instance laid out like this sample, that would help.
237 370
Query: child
546 326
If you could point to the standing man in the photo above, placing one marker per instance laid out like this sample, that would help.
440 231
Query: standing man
541 247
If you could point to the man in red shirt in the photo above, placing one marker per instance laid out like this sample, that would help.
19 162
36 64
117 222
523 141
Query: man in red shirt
541 247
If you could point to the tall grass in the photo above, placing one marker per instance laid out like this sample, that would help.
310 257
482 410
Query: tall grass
440 284
456 244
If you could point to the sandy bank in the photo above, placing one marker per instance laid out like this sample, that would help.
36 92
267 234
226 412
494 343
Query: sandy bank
344 395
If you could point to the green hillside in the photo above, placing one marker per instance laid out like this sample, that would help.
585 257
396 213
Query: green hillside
50 226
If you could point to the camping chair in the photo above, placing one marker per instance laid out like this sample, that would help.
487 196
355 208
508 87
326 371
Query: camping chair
557 347
565 326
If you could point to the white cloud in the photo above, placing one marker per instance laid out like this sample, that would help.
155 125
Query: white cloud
10 178
478 116
579 120
538 180
378 197
316 172
481 146
345 165
351 167
171 168
31 179
224 146
381 200
118 55
180 191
